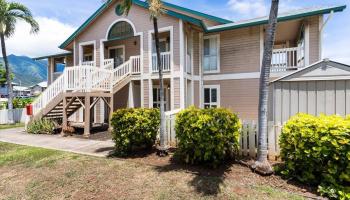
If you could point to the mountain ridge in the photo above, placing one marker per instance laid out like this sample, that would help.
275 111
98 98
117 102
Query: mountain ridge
26 71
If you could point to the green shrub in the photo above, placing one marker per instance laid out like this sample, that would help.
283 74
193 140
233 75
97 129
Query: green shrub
134 128
41 126
207 136
316 150
21 102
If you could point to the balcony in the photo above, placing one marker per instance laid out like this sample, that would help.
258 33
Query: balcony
165 58
287 59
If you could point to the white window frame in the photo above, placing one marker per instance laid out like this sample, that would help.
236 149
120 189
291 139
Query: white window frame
81 53
217 37
217 87
166 96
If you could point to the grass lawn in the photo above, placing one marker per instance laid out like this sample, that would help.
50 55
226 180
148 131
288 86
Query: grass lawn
36 173
7 126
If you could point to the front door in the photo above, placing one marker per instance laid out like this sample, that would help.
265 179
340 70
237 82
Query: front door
118 54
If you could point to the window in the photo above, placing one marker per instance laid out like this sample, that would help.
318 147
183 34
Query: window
163 46
87 57
156 98
120 30
211 54
211 96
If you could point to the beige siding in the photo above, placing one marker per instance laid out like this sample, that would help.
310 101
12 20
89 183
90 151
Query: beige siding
145 93
176 93
130 48
313 97
314 24
140 17
196 53
69 61
121 98
240 50
240 96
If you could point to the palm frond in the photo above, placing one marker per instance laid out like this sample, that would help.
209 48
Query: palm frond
155 8
13 6
10 26
126 6
27 18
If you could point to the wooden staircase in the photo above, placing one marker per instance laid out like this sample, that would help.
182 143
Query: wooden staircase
70 91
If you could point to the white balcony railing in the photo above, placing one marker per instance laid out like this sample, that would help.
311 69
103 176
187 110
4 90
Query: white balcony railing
88 63
287 59
108 63
165 58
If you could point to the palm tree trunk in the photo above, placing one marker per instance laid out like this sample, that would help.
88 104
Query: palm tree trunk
262 165
162 149
8 78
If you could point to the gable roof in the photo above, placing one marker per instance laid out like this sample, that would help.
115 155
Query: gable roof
144 4
225 24
318 71
285 16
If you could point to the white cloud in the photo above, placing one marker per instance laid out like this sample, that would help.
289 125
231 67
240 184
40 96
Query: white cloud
52 33
248 8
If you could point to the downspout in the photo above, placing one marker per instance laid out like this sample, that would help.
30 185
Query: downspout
323 25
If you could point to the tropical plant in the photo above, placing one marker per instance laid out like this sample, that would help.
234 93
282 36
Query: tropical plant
207 136
262 165
134 128
316 150
155 11
3 75
41 126
21 102
10 12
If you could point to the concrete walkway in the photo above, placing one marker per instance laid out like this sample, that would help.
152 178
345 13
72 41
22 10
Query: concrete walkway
70 144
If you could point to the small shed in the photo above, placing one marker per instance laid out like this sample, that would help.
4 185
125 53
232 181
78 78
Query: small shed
323 87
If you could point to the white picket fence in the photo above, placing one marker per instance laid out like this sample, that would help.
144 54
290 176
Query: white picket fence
248 141
19 115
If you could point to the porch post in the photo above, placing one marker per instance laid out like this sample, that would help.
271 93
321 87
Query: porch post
111 109
87 116
131 95
65 117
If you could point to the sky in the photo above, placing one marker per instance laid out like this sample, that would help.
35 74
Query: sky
58 19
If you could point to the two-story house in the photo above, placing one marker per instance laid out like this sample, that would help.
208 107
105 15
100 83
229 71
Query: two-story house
207 61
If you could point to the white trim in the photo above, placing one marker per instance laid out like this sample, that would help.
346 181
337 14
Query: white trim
249 75
200 52
131 95
74 52
102 51
161 30
307 44
120 20
182 64
81 44
172 94
217 87
150 93
217 37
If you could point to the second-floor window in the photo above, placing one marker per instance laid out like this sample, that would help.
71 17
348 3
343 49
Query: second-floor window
211 53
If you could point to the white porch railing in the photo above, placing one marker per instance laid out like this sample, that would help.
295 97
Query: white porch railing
88 63
132 66
165 58
77 78
108 63
287 59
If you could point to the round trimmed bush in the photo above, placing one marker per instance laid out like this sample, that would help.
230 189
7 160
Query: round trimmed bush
134 128
207 136
316 150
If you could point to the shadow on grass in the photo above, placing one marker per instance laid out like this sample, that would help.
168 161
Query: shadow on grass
206 181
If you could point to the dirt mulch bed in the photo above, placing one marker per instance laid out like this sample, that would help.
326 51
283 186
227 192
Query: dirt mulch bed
231 170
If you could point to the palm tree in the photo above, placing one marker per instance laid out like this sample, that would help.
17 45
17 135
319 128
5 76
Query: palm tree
10 12
155 10
262 165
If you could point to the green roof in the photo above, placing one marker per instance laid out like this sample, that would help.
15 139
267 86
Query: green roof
291 15
54 55
227 25
145 5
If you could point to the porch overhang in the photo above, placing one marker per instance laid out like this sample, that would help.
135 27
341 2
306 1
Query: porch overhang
58 55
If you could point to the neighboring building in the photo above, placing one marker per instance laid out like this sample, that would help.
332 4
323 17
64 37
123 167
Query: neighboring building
207 61
37 89
18 91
